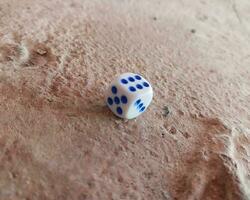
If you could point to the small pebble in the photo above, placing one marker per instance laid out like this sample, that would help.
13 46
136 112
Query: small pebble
166 111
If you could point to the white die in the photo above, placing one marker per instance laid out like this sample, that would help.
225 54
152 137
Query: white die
129 95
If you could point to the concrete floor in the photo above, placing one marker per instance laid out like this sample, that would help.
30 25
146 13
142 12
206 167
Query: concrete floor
58 140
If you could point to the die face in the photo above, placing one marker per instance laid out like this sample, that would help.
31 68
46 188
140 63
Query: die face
134 84
139 105
118 100
124 93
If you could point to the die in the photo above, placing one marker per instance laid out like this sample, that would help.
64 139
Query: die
129 95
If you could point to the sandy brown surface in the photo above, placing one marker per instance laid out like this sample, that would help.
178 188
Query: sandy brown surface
58 140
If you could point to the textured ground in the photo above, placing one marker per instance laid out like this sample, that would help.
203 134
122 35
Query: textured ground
58 140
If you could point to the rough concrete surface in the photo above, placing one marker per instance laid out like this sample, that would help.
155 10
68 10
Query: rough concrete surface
58 140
